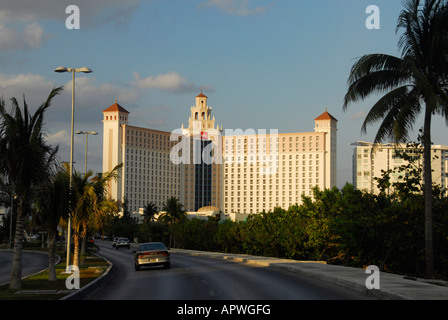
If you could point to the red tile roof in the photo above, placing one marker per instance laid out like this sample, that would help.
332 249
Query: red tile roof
201 95
116 107
325 116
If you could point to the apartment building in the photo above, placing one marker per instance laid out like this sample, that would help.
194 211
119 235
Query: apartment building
370 159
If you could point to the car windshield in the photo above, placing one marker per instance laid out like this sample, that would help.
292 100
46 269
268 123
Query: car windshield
151 246
123 240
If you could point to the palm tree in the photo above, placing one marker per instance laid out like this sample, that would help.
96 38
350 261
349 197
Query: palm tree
416 82
173 213
150 211
25 159
53 204
89 201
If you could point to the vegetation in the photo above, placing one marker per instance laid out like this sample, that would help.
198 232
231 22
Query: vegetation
340 226
39 187
413 84
25 161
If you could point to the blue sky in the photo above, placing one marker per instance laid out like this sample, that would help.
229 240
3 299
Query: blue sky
263 64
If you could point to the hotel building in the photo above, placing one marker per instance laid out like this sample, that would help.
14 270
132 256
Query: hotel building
264 171
147 173
236 171
370 159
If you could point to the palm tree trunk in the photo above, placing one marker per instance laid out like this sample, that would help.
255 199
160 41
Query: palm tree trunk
51 255
76 249
16 269
83 245
427 175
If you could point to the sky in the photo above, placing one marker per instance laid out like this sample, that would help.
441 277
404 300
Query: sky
264 64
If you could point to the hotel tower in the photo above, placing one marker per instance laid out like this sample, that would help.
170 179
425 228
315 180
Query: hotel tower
203 165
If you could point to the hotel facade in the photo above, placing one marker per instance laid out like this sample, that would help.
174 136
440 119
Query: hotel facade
202 165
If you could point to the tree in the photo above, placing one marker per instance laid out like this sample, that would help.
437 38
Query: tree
416 82
149 212
53 204
173 213
25 159
89 200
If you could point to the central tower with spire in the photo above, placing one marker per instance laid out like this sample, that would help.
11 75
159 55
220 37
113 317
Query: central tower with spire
202 176
200 116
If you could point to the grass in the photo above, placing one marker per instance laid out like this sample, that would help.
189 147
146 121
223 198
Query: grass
37 287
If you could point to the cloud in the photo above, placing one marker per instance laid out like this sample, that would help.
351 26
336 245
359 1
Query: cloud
20 27
170 81
35 87
32 10
30 37
358 115
235 7
60 137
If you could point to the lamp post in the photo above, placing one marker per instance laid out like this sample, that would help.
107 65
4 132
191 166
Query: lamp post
87 134
73 71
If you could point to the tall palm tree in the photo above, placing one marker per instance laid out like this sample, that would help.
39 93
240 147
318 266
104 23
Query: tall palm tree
415 83
173 213
25 159
53 204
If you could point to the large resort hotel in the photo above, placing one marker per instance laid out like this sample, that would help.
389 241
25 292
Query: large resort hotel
211 169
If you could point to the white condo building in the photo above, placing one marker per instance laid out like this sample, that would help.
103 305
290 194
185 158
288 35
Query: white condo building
370 159
246 171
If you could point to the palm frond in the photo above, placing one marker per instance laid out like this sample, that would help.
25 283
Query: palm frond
374 73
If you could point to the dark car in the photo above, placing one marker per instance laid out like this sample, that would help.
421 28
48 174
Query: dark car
152 254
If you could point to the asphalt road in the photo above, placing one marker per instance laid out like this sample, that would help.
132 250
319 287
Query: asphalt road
32 262
198 278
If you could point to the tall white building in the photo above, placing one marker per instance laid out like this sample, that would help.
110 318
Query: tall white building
204 166
369 161
147 173
264 171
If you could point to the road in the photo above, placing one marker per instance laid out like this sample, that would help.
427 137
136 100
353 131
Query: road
198 278
32 262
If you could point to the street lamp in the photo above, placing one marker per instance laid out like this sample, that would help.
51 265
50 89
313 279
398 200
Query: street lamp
87 134
73 71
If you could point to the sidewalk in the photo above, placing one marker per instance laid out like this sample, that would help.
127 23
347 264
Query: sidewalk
392 286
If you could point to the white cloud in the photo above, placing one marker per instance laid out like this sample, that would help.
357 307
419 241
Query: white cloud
20 27
31 10
35 87
60 137
30 37
358 115
171 81
235 7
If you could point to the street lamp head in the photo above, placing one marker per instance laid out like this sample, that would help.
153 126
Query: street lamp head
61 69
87 132
65 69
84 69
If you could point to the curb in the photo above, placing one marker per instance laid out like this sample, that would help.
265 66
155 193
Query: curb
81 293
58 259
276 263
